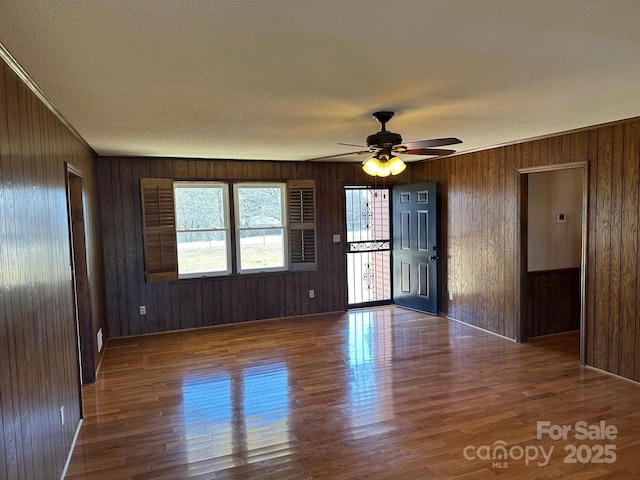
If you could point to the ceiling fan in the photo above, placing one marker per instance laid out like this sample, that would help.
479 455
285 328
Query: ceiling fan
384 145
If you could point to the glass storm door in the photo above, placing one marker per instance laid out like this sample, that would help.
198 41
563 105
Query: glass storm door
368 245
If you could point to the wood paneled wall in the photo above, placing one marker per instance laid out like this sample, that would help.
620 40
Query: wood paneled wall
479 200
551 302
38 355
219 300
478 225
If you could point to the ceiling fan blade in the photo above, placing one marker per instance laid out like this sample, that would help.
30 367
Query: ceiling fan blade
427 151
352 145
317 159
434 142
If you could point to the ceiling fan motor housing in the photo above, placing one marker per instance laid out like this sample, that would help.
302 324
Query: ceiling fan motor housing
384 139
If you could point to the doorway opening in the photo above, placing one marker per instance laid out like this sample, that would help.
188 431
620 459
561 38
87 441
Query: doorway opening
368 246
553 223
80 278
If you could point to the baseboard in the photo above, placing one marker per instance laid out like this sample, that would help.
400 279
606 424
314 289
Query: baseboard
615 375
481 329
557 334
73 444
203 327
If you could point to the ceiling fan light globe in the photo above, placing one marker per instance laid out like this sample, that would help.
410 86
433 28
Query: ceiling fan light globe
396 165
384 172
372 166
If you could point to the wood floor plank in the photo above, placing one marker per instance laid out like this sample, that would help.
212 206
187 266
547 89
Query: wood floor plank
381 393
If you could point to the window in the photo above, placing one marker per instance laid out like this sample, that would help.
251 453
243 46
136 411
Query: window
260 227
195 229
202 228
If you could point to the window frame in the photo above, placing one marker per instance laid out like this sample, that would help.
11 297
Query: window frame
159 232
224 186
282 186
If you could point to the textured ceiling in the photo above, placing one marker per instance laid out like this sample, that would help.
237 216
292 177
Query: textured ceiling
287 80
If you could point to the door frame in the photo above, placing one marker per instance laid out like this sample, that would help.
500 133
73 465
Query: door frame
346 243
79 274
521 329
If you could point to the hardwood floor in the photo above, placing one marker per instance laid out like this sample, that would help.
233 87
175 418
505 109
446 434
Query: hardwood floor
382 393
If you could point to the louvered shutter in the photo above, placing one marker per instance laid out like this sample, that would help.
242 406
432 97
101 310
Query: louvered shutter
159 230
302 225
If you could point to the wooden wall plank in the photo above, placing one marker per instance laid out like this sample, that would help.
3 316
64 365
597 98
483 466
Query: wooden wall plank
579 147
225 302
590 313
464 297
208 312
187 308
180 169
493 232
12 434
122 326
525 155
18 157
175 322
237 300
602 278
632 149
616 244
50 330
554 299
629 347
448 248
202 169
217 170
501 225
539 152
479 313
147 293
510 242
131 247
554 150
107 218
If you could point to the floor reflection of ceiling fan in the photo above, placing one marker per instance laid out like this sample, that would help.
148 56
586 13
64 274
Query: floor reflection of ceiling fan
384 145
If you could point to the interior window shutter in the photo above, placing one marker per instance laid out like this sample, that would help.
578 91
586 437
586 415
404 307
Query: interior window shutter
302 225
159 230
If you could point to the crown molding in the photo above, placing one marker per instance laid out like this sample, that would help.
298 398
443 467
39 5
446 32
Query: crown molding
31 85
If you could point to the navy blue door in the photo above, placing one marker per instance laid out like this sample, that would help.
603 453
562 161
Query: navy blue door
415 249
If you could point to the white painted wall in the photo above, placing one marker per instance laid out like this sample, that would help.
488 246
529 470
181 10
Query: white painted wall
554 245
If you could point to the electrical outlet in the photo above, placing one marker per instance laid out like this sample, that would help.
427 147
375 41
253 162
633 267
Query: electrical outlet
450 295
100 339
143 310
62 415
312 294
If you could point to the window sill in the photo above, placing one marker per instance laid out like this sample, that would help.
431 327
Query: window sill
233 276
